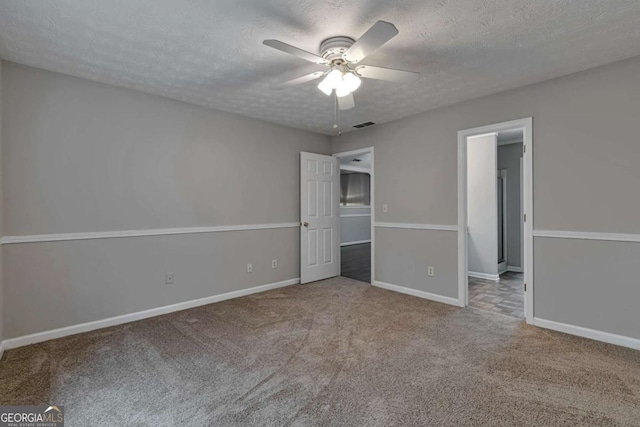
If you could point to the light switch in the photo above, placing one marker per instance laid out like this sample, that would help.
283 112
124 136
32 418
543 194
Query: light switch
385 208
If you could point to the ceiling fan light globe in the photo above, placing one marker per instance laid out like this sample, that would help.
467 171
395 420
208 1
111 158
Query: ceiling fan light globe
325 87
334 78
351 81
343 90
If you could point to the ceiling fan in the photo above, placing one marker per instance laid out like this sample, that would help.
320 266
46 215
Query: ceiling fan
342 55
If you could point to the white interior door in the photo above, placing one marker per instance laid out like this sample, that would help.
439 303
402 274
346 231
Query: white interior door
319 217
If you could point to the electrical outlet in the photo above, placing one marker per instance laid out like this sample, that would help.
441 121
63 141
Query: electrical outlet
168 279
385 208
274 263
249 268
430 271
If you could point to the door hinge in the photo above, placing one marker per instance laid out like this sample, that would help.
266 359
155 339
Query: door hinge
524 147
525 287
525 217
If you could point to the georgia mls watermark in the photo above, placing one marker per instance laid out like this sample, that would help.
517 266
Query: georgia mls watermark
32 416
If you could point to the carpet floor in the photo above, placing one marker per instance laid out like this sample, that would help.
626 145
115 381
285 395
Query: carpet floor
333 353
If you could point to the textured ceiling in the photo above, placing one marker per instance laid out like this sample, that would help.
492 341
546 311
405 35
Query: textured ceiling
209 52
363 161
508 136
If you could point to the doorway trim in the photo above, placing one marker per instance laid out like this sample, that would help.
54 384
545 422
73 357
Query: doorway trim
371 201
463 241
502 173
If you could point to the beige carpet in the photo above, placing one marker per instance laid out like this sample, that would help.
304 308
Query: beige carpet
337 352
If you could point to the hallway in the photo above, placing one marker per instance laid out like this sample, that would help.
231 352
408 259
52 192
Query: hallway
503 297
355 262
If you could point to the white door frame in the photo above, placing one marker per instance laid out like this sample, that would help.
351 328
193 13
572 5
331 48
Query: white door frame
372 199
503 174
521 205
527 125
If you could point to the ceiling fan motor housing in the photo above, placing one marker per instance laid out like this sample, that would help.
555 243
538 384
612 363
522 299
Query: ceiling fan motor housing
333 48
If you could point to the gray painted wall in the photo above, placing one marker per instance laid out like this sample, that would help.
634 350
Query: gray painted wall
585 144
593 284
355 229
85 156
81 156
402 257
57 284
482 200
509 158
1 219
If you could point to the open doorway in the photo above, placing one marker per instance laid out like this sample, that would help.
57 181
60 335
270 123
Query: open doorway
495 198
356 216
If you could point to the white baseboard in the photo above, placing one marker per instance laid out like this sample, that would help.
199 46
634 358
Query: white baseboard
514 269
494 277
607 337
359 242
132 317
417 293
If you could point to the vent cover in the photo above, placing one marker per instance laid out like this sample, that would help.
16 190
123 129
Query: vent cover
364 125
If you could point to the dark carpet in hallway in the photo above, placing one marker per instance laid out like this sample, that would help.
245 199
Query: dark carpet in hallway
355 262
336 352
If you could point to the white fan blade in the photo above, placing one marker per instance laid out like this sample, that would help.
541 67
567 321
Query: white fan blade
298 80
346 102
292 50
387 74
379 34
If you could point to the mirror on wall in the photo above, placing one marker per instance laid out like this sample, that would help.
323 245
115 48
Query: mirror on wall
355 189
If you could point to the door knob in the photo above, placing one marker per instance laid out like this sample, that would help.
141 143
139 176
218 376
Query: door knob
306 224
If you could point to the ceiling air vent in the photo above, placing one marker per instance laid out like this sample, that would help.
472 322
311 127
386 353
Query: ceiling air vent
364 125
